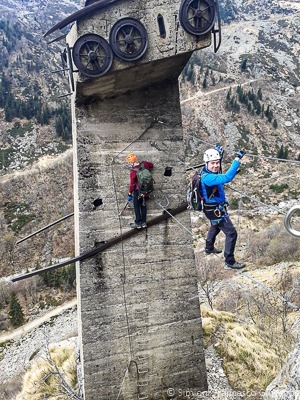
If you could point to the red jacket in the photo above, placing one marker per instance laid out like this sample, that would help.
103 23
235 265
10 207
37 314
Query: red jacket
133 185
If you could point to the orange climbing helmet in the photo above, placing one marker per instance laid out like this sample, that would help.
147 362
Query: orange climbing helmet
131 158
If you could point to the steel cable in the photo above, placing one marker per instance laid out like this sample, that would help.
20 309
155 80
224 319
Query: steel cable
250 154
257 201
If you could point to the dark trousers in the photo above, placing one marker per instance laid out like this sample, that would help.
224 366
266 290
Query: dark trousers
140 208
226 226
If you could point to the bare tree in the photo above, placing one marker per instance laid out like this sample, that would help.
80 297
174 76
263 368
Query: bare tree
208 278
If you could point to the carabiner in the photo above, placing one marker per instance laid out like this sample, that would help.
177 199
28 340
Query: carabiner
217 213
287 221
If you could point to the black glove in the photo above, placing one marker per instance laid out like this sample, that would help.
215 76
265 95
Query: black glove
240 154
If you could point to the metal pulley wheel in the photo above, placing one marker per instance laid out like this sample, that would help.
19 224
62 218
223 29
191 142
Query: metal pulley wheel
288 223
128 39
92 55
197 17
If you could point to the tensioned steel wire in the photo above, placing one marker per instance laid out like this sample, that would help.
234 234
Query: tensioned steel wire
284 300
255 200
250 154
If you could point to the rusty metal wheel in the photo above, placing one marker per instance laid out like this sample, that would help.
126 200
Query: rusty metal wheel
128 39
197 17
92 55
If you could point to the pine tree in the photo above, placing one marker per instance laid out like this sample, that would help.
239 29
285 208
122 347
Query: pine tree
236 106
244 64
59 126
228 94
7 114
259 94
189 74
258 108
280 152
15 310
275 123
270 116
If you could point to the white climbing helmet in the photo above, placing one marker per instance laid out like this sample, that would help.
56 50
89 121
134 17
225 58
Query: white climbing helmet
211 155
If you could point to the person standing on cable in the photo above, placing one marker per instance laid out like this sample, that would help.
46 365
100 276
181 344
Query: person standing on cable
136 192
215 204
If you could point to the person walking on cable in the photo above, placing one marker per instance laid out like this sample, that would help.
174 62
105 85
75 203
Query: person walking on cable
215 204
137 192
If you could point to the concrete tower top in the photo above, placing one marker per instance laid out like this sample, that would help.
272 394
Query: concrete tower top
125 45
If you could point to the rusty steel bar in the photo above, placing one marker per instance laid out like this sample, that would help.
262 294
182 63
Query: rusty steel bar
45 227
104 246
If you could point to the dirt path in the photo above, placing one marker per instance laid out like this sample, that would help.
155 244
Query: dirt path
44 162
208 93
37 322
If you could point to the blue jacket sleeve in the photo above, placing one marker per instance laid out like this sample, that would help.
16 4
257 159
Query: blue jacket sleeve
219 179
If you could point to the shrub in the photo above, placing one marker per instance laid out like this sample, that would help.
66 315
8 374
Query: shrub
279 188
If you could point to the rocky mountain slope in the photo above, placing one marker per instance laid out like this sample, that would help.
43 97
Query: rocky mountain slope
259 52
36 163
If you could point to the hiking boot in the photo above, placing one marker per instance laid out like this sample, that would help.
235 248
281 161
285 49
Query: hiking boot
135 225
213 251
144 225
236 265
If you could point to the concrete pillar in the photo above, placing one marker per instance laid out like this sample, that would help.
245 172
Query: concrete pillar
139 311
139 300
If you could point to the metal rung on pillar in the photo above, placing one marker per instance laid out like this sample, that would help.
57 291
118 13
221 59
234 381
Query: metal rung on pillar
141 358
143 398
143 371
146 383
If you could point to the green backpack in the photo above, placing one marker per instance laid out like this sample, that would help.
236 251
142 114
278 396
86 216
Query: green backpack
145 180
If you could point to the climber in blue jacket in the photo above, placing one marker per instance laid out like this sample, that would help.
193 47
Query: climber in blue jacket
215 204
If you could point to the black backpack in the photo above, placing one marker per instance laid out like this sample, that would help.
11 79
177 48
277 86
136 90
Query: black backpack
194 193
145 180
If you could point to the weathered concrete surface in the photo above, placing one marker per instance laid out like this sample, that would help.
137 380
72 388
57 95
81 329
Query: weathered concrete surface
140 322
138 300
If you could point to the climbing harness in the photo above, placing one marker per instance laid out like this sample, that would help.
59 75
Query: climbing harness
288 218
